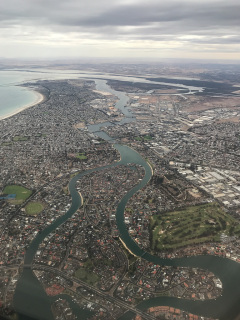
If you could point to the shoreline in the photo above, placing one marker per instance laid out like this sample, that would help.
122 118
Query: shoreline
39 99
126 247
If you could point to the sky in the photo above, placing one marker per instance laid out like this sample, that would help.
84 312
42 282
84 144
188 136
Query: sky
153 29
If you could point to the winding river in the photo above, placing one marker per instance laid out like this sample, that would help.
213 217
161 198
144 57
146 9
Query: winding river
30 299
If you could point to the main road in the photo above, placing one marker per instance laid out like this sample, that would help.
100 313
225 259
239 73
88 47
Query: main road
102 294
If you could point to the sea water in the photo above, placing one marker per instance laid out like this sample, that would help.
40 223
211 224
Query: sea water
12 95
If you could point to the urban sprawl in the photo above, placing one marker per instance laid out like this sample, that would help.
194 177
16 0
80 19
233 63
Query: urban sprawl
191 205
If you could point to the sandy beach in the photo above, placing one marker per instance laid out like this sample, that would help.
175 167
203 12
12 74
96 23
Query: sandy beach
39 98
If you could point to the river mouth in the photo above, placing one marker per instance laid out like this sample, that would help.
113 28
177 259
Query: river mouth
38 305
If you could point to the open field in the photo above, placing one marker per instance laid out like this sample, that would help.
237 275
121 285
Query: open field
20 138
5 144
145 137
34 208
86 273
81 156
86 276
21 193
200 103
196 224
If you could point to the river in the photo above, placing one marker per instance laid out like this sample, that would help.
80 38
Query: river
31 301
14 97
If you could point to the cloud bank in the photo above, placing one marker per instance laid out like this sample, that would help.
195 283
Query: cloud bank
174 27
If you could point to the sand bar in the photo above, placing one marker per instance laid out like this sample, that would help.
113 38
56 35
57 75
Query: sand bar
104 93
125 246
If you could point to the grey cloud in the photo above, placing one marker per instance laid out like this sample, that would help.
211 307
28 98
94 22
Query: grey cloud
153 20
105 12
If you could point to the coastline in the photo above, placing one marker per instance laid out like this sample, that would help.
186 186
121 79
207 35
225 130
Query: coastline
39 99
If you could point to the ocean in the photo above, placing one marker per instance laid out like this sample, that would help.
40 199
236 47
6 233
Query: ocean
13 97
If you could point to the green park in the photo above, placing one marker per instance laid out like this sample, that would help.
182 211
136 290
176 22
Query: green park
34 208
81 156
22 193
192 225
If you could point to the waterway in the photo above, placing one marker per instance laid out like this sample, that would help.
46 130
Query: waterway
14 97
121 104
31 301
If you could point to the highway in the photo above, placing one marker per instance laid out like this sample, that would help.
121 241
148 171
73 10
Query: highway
102 294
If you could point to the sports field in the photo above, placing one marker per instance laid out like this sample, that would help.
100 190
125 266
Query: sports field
21 193
34 208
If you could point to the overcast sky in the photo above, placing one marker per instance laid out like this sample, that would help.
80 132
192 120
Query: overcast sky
152 29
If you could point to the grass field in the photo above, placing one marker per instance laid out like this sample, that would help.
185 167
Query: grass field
34 208
20 138
65 190
196 224
21 193
74 174
146 137
5 144
87 276
81 156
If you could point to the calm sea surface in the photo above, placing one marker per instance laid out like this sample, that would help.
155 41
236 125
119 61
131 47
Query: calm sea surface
14 97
